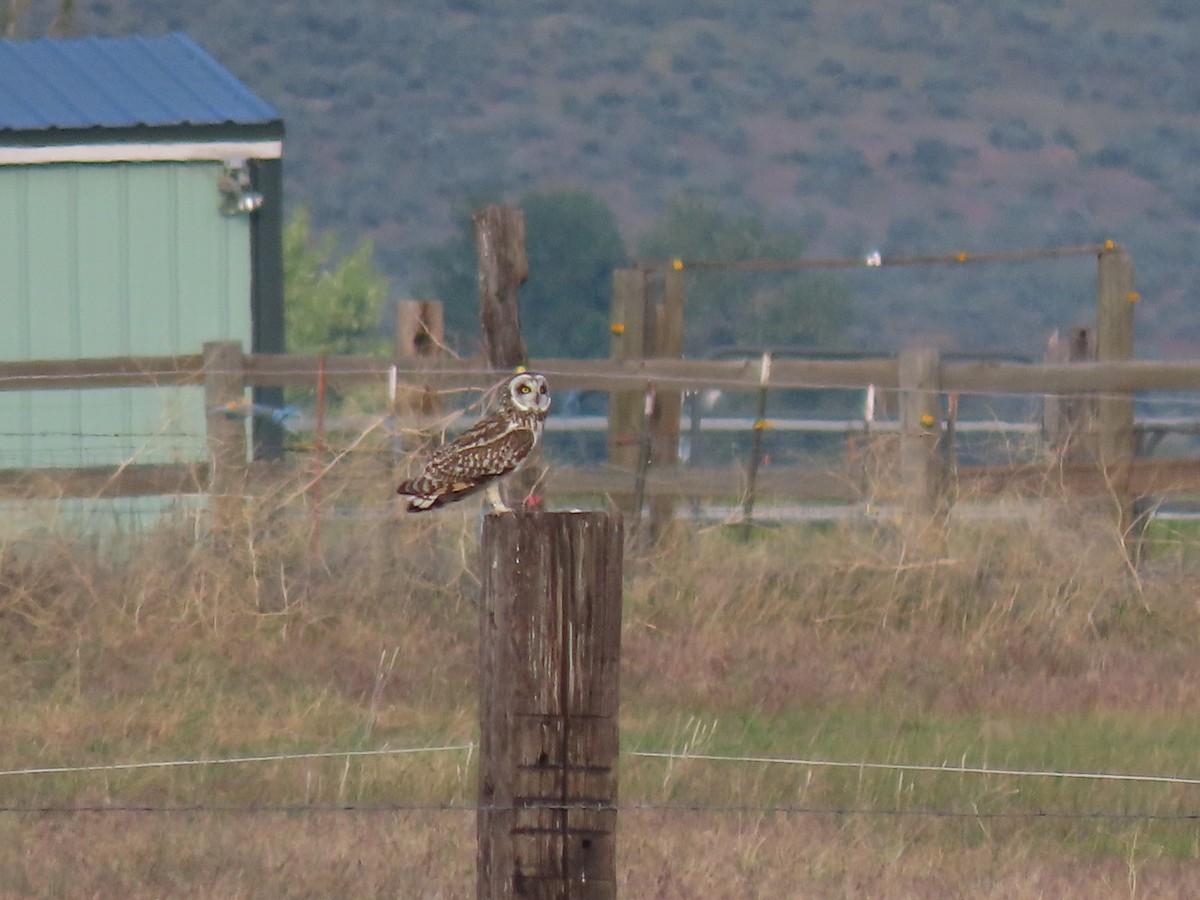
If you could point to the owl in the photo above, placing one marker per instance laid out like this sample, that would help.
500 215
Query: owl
488 450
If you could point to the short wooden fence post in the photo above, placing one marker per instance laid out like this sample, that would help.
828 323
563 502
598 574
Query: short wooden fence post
420 334
760 425
1069 421
921 465
224 396
550 630
1115 299
664 443
627 343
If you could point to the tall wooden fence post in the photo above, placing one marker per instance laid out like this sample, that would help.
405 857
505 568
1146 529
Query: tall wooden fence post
550 631
503 267
224 395
921 465
1115 297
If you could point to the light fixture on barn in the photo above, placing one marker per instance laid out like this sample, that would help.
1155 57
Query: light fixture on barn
238 196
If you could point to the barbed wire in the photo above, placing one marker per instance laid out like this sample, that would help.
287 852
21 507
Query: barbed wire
933 812
875 260
627 808
911 767
674 756
221 761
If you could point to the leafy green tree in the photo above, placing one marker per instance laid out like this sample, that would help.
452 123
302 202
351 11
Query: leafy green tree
572 244
14 12
765 308
451 275
330 306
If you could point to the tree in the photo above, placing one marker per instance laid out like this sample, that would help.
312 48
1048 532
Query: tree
13 13
10 18
451 275
64 24
329 306
758 308
572 243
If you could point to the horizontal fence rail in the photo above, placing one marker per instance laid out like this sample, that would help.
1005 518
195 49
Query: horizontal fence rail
782 483
786 483
101 372
136 480
291 370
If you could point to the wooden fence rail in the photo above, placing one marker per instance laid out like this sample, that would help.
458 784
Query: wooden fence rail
229 372
295 370
791 484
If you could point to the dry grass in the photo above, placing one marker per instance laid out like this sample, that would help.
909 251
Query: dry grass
980 617
431 855
1029 642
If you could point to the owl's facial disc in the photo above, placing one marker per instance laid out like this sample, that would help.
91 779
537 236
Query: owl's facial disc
530 392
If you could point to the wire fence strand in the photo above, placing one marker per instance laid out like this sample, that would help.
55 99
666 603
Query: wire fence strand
673 756
225 761
627 808
944 768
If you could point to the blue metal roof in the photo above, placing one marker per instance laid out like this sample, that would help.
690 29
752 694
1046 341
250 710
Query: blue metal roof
120 83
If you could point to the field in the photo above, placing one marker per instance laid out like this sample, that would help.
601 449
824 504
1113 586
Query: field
1025 644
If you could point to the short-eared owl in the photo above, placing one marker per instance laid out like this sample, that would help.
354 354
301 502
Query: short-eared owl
489 449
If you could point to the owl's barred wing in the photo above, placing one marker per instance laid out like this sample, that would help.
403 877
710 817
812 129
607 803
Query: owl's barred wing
487 450
483 433
490 452
486 439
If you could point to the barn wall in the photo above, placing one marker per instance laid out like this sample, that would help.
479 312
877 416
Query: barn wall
107 260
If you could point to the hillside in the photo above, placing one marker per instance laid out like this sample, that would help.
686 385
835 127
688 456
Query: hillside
922 128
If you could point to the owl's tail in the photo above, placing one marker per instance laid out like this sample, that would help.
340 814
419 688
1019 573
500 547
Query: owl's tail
418 501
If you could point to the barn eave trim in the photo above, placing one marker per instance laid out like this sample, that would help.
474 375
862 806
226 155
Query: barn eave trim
181 151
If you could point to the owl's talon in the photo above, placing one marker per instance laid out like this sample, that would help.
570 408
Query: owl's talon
499 507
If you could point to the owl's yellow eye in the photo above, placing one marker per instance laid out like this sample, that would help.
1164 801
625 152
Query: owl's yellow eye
524 389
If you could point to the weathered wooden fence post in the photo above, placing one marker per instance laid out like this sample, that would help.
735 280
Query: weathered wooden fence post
420 334
760 425
641 328
1068 422
628 342
921 465
550 631
420 330
1115 297
224 394
664 432
503 267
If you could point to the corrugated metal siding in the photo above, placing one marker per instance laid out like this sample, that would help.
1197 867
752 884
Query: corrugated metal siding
114 260
120 82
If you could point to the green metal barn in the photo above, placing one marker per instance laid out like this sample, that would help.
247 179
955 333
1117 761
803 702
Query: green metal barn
140 214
